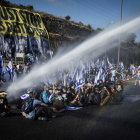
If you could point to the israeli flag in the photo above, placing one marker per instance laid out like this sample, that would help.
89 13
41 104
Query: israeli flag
9 67
122 66
122 75
97 64
72 108
64 79
110 65
14 75
51 97
103 63
96 79
37 60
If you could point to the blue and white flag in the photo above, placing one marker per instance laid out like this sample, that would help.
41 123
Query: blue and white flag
14 75
110 65
122 66
72 108
97 64
9 67
96 79
51 97
36 59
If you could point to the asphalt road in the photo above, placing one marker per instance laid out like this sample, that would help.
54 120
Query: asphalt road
111 122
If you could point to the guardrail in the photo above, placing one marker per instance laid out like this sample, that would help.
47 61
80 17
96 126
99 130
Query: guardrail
18 61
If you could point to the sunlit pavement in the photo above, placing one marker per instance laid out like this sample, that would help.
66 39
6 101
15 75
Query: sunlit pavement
119 121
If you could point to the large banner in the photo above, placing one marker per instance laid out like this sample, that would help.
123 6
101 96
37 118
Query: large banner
22 31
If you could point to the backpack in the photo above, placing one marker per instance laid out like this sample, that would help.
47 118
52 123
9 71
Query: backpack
44 96
28 105
97 99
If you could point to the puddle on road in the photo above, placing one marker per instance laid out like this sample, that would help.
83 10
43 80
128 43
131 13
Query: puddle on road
132 98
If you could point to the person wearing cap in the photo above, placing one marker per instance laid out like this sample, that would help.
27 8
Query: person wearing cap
4 109
58 102
44 96
24 97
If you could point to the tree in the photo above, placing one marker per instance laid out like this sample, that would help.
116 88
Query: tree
99 29
89 26
67 17
30 7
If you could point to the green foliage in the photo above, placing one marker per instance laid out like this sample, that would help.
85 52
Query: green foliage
99 29
67 17
30 7
89 26
48 25
22 6
5 3
81 23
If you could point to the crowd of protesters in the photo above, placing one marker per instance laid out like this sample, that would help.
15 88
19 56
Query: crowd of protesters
66 93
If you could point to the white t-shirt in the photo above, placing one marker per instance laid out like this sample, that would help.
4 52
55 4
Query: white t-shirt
113 72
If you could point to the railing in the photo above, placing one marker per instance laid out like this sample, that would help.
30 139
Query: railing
18 60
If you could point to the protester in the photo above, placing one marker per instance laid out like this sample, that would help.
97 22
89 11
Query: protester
4 109
39 110
138 76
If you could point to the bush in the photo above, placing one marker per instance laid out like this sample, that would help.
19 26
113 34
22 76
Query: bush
67 17
30 7
89 26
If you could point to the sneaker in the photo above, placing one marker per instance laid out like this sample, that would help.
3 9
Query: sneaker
42 118
79 103
23 114
53 117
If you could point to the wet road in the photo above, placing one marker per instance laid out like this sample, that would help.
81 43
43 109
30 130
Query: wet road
110 122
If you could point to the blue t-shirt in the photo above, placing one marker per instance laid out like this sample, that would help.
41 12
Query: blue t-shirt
31 58
35 102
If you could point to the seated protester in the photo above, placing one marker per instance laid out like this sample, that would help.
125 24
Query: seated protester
70 95
4 109
58 102
39 110
105 96
118 90
65 96
25 96
108 85
101 84
112 93
44 96
91 95
76 101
